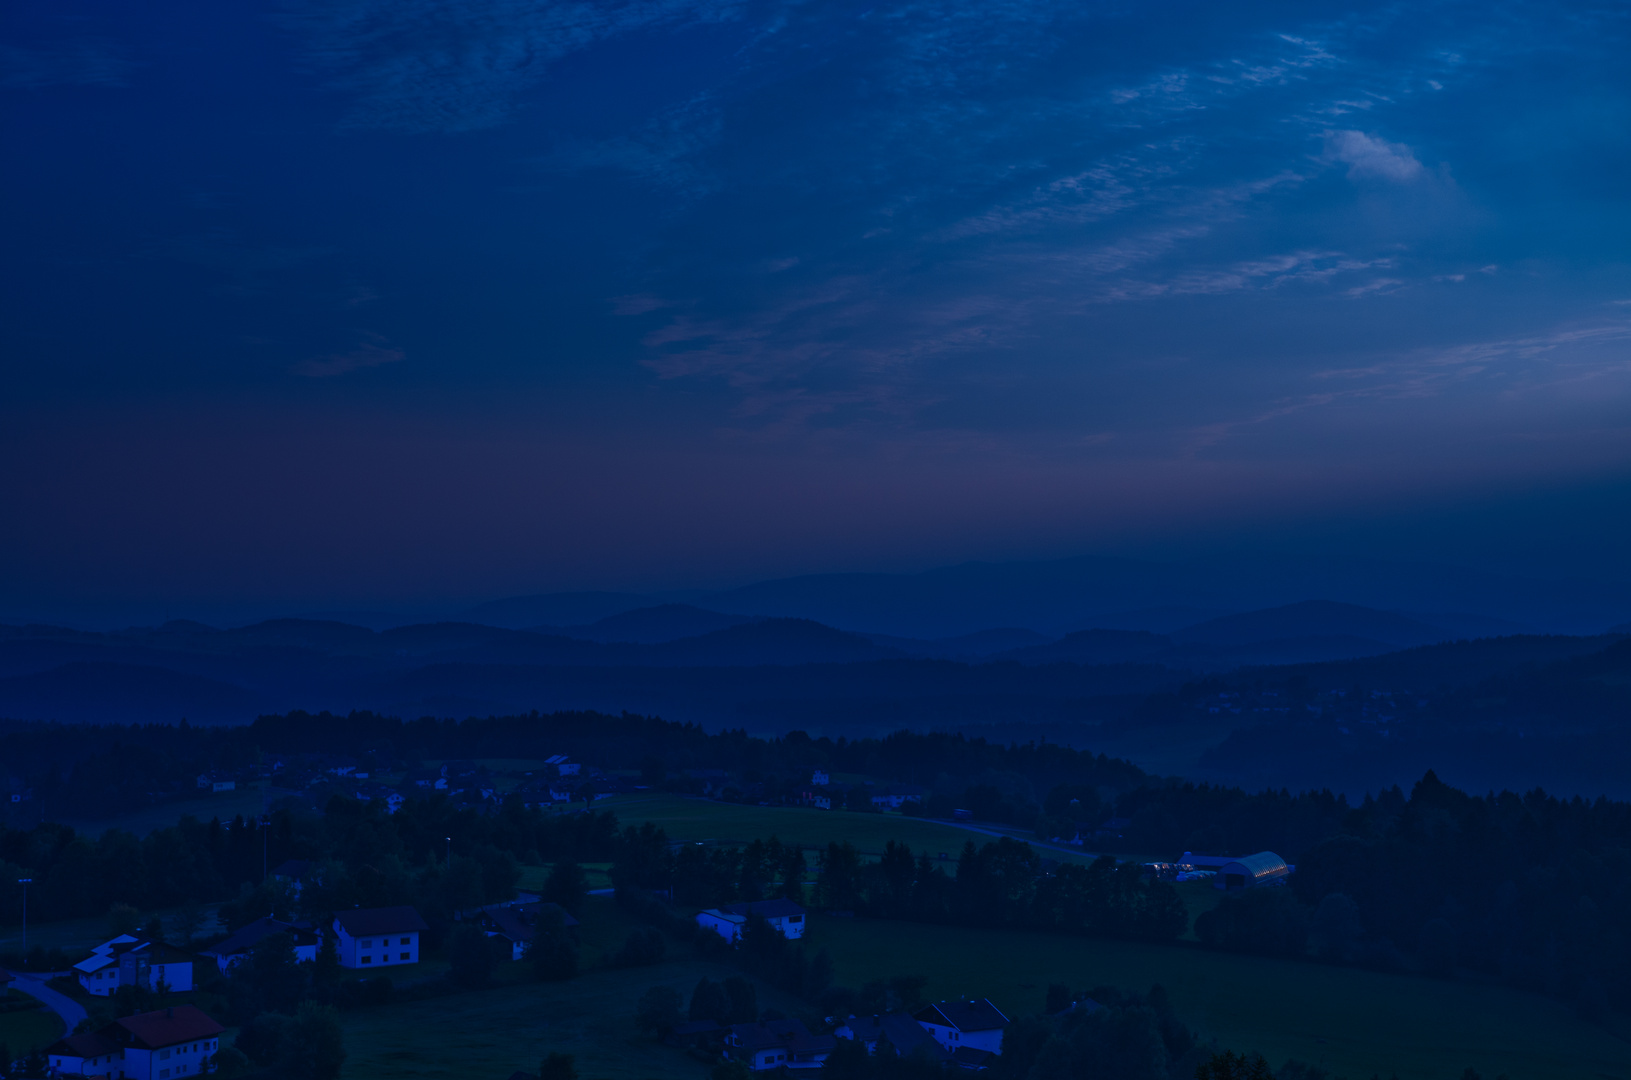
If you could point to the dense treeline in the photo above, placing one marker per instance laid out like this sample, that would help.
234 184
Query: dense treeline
431 853
1532 890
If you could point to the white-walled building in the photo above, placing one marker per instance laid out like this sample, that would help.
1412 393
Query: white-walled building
728 921
976 1025
161 1045
377 937
133 961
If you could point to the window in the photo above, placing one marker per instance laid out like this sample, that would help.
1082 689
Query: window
405 941
406 956
163 1054
368 959
795 918
367 943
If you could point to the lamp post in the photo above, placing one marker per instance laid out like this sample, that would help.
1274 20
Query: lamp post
450 853
25 882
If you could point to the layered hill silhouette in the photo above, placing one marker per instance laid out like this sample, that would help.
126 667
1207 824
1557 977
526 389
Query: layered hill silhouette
737 668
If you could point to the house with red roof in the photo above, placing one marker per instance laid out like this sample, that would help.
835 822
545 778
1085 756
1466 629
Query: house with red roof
159 1045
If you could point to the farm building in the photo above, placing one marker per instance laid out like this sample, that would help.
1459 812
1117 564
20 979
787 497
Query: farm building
728 921
1264 868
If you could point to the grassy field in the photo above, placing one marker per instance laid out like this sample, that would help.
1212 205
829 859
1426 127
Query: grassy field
686 818
491 1033
1356 1023
225 805
29 1028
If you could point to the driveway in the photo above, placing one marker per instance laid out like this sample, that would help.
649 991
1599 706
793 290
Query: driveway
71 1011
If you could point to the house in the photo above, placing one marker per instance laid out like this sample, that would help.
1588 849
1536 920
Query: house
159 1045
897 1030
563 766
976 1024
1190 861
728 921
896 794
1251 871
393 800
375 937
214 781
820 778
133 961
236 948
777 1044
516 923
292 873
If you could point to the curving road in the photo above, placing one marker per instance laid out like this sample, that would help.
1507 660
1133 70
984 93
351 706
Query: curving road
71 1011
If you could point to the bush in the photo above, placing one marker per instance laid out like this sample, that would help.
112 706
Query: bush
470 952
643 947
1267 921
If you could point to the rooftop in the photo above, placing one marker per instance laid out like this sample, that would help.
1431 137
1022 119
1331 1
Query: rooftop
366 922
167 1027
971 1015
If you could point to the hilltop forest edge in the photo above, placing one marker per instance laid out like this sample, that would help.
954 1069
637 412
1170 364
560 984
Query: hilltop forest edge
1525 889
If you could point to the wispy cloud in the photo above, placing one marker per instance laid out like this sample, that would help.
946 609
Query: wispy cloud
372 351
73 63
1370 157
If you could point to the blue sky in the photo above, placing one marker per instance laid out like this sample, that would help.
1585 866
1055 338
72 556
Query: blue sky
359 300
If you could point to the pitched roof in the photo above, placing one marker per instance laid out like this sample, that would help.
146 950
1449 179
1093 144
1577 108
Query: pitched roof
89 1044
765 909
789 1033
902 1032
366 922
167 1027
247 937
970 1015
519 921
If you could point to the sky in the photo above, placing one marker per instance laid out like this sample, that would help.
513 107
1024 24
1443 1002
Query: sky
378 301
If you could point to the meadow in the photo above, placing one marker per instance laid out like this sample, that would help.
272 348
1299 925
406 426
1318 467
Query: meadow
26 1029
1353 1022
705 820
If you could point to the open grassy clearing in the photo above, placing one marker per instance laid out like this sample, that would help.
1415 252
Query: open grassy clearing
1356 1023
225 805
28 1029
688 818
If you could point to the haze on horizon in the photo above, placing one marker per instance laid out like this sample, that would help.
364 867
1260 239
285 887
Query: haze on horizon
329 303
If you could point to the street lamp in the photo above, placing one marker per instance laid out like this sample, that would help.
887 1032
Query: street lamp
450 853
25 882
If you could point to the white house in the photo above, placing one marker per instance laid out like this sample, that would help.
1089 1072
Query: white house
517 923
159 1045
214 781
375 937
236 948
728 921
777 1044
976 1025
133 961
820 778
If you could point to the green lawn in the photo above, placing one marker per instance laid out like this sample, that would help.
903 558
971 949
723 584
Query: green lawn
685 818
492 1033
225 805
1356 1023
28 1029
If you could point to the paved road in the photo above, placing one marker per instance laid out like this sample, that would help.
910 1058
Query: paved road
71 1011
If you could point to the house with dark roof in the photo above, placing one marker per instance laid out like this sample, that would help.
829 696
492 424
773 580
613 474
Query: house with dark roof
376 937
236 948
517 923
160 1045
975 1023
897 1031
134 961
777 1044
728 921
